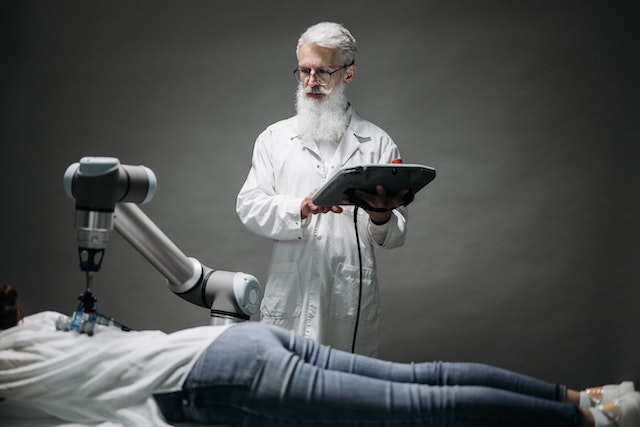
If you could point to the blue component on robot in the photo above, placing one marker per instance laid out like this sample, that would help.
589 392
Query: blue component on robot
84 318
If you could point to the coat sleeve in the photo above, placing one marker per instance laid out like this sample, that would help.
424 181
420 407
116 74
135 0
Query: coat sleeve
392 234
260 209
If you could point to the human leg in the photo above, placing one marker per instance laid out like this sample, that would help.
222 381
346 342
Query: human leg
272 377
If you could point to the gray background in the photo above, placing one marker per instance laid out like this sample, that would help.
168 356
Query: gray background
522 252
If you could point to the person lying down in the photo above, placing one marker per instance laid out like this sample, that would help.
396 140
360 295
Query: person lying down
254 374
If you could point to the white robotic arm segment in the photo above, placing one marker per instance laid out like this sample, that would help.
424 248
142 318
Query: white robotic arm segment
107 194
100 182
97 184
179 288
230 295
181 272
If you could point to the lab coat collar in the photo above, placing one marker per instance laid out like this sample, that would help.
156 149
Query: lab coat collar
355 135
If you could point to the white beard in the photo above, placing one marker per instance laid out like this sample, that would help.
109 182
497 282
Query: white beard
326 120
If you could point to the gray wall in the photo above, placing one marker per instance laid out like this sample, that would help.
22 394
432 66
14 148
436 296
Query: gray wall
523 251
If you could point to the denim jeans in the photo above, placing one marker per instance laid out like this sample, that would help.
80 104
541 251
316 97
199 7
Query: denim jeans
260 375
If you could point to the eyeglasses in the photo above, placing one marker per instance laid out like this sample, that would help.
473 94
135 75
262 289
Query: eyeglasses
322 77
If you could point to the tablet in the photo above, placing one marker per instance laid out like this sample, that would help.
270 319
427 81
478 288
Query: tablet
393 177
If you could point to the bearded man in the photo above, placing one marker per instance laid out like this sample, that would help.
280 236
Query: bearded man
322 280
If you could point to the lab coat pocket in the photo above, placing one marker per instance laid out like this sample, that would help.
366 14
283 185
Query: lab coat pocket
346 289
282 298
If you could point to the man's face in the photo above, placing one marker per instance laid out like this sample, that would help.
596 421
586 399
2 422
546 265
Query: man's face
315 60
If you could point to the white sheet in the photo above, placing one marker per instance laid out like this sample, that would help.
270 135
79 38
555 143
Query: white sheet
86 380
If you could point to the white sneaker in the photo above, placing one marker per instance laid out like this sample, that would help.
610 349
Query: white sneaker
622 412
609 393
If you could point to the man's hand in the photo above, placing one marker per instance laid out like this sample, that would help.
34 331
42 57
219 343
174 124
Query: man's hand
381 200
308 208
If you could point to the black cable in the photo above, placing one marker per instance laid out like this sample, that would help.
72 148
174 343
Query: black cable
355 329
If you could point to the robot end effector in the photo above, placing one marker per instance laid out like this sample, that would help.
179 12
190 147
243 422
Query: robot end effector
97 184
107 194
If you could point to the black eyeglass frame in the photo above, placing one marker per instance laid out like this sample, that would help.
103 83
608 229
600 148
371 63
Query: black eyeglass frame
297 74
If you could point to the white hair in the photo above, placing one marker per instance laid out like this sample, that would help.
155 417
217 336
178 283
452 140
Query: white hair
332 36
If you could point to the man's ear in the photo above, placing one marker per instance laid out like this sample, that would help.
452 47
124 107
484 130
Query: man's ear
350 73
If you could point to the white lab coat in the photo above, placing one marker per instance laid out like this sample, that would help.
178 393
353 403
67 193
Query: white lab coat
313 281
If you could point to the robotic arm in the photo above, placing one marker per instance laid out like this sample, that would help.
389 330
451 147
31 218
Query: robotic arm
107 195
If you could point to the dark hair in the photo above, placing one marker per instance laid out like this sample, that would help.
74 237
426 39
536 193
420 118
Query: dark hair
10 311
